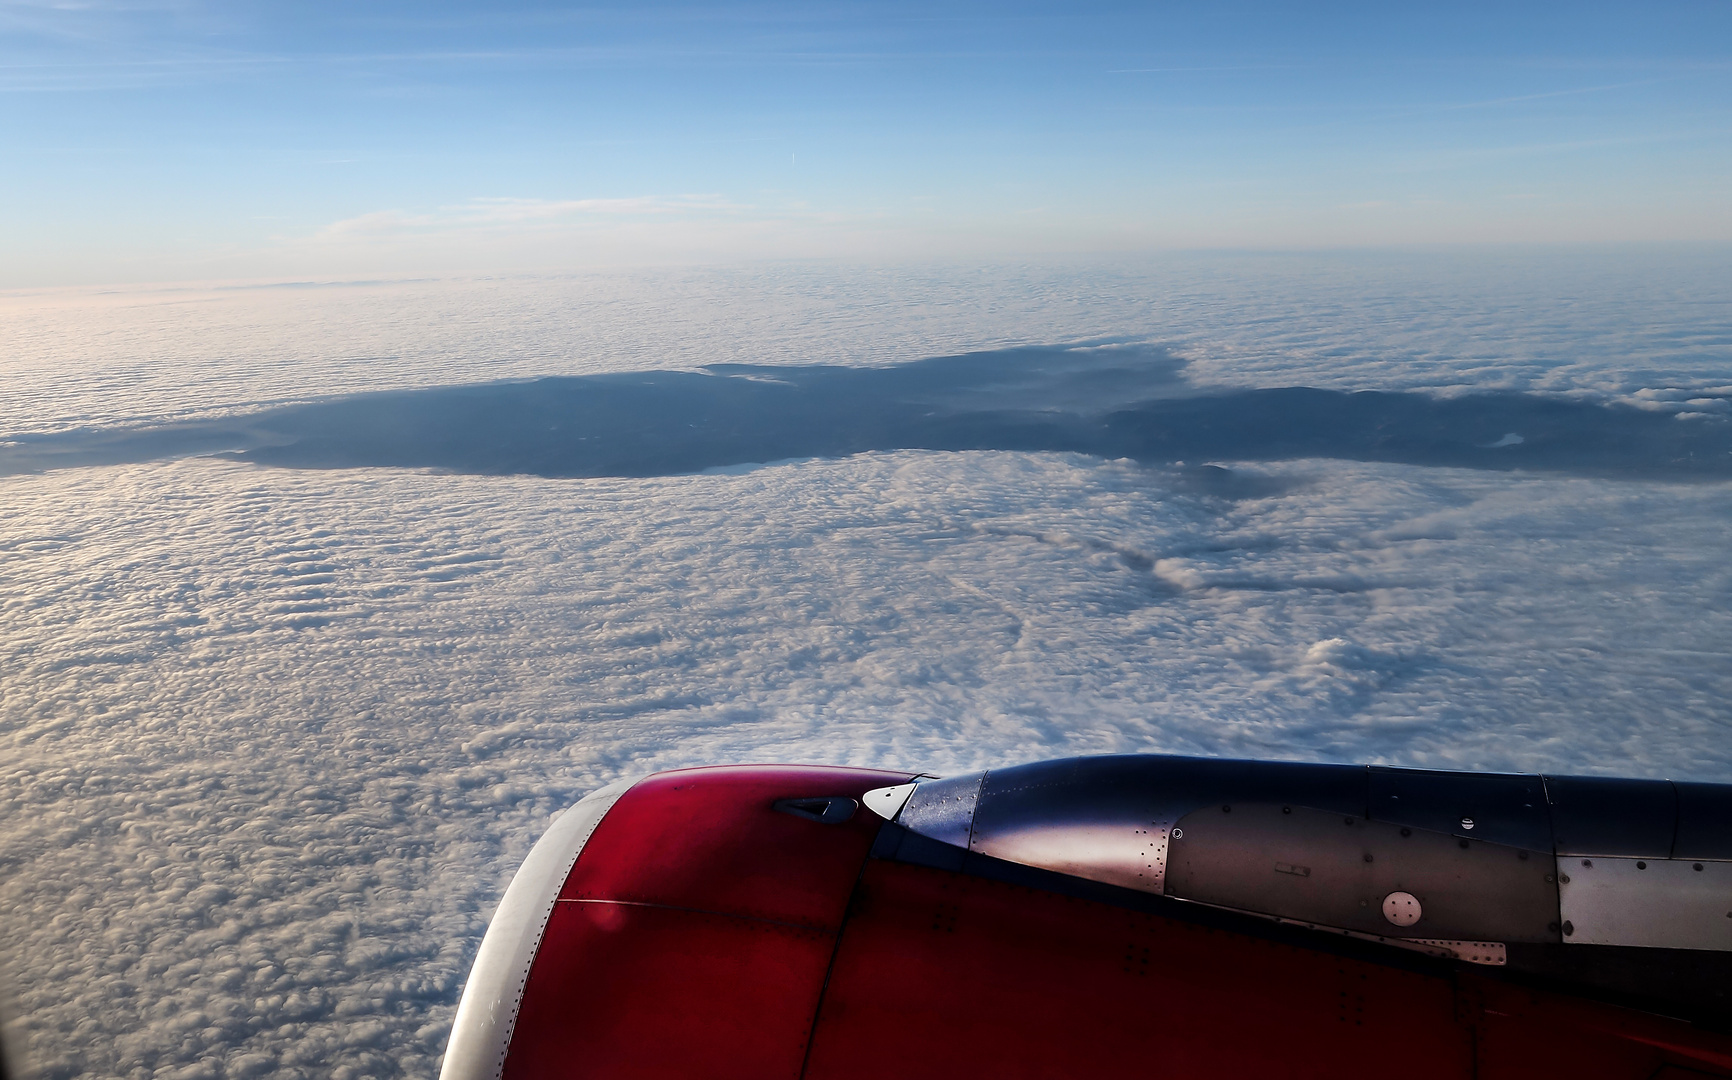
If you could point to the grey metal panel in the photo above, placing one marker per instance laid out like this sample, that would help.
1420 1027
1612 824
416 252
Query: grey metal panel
1103 819
1491 953
1107 819
1504 808
1334 870
1130 851
1602 815
1656 903
1704 821
943 810
1294 842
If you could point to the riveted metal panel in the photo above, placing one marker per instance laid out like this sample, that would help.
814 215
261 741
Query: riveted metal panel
1602 815
1103 819
1489 953
1131 852
1321 867
1109 819
1657 903
1503 808
943 810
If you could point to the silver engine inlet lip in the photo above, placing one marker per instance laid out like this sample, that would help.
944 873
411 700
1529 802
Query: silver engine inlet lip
487 1013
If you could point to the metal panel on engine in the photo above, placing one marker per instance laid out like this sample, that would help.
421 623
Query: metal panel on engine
943 810
1107 819
1502 808
1322 867
1656 903
1603 815
1704 821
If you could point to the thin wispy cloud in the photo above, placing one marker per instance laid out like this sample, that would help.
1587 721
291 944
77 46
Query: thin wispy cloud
1181 69
1573 91
1460 156
505 213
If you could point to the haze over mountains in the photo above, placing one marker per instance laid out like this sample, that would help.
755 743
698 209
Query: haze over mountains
1108 401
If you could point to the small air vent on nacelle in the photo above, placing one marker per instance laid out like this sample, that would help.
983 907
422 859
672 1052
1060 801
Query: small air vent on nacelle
826 810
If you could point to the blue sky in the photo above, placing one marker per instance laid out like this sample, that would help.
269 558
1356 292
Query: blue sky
160 140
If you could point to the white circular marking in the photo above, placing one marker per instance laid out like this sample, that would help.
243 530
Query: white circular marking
1401 908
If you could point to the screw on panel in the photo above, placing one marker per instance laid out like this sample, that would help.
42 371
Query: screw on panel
1286 809
1564 879
1464 841
1698 866
1226 809
1368 856
1569 928
1134 964
1641 865
1588 863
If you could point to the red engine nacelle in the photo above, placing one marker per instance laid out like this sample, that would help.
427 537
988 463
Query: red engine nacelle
758 922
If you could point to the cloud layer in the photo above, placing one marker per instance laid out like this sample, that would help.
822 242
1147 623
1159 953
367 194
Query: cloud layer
272 741
275 740
1649 327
